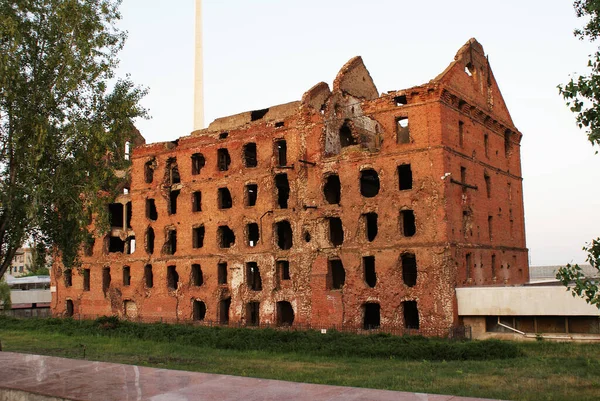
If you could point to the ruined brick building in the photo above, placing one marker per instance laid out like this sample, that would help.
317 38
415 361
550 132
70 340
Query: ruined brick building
346 207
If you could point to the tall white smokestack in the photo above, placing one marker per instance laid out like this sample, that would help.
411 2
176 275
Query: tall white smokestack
199 72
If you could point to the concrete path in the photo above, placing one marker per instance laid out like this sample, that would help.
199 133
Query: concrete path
44 378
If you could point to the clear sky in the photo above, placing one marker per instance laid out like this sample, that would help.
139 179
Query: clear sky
261 53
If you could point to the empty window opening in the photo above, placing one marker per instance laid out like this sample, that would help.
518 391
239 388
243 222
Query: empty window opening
70 308
223 135
282 270
490 227
225 236
258 114
128 214
463 178
493 266
369 183
199 310
488 185
507 143
173 195
197 277
198 162
130 245
409 269
68 277
223 159
116 244
370 222
224 306
151 212
461 133
126 276
224 198
402 130
336 231
486 144
405 178
198 237
196 201
105 279
171 244
251 194
469 69
279 124
285 313
400 100
411 314
88 247
307 237
369 271
116 214
283 230
173 171
250 155
336 275
283 190
371 316
332 189
252 233
86 279
149 171
346 137
148 276
469 265
253 276
281 150
172 277
222 273
150 240
253 313
407 224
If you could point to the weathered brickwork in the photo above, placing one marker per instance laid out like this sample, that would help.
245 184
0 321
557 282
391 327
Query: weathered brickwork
346 207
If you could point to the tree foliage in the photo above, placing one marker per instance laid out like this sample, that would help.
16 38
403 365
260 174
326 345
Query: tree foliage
64 120
582 95
5 295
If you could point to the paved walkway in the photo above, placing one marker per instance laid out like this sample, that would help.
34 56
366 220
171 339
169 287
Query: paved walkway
44 378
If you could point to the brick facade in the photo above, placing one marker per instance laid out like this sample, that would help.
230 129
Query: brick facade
372 211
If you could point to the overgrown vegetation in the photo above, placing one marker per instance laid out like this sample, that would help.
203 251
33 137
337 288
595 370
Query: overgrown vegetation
544 371
278 341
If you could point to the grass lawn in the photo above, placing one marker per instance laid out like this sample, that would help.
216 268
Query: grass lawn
545 371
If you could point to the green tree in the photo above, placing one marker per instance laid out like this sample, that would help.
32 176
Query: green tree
582 95
64 121
5 295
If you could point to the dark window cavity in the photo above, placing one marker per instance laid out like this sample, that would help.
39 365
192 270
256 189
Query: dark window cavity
283 270
224 306
196 201
253 313
370 224
130 245
369 271
486 144
126 275
150 240
148 276
281 152
490 227
105 279
223 135
346 137
400 100
68 277
222 273
225 236
251 194
461 133
199 310
407 223
116 245
488 185
197 277
149 171
283 231
173 195
372 316
198 237
336 275
224 198
252 233
116 215
369 183
283 190
253 276
198 163
250 159
70 309
402 130
223 159
409 269
411 314
171 244
285 313
258 114
405 177
172 277
172 171
332 189
128 214
336 231
151 212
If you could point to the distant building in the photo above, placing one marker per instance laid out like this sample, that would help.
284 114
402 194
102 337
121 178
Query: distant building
548 273
22 263
30 296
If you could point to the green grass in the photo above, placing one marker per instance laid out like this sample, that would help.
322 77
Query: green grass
542 371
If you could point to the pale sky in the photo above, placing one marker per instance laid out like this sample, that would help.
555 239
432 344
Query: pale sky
261 53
